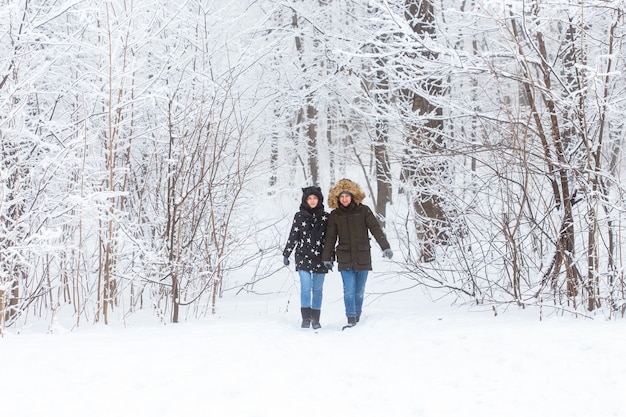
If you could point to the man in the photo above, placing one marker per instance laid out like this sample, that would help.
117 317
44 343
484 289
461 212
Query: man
350 224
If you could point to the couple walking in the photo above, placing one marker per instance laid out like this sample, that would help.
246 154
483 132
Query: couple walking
318 238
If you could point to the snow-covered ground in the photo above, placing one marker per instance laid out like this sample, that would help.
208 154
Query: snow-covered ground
408 357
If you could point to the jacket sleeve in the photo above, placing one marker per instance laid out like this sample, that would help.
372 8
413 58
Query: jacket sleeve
328 253
375 229
294 236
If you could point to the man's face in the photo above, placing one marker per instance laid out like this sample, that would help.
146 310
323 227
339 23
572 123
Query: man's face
345 199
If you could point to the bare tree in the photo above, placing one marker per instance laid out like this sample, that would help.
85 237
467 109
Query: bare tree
421 166
309 115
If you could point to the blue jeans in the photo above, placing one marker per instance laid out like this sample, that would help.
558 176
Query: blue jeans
353 291
311 285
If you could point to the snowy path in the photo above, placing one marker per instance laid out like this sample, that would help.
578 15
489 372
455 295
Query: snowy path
392 364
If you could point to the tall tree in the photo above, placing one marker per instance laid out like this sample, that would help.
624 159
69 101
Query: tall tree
309 114
422 168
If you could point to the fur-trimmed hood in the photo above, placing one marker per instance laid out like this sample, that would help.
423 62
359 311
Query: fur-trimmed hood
345 185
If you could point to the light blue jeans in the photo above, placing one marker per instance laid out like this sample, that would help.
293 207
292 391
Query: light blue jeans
353 291
311 285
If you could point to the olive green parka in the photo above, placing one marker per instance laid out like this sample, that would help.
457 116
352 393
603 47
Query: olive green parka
348 229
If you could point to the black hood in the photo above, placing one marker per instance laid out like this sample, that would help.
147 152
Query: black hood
306 192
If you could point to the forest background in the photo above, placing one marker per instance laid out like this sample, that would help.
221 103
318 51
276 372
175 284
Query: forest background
152 151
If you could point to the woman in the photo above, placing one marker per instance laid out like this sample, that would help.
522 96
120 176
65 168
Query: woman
350 222
307 237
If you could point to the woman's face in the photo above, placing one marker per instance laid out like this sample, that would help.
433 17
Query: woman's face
312 201
345 199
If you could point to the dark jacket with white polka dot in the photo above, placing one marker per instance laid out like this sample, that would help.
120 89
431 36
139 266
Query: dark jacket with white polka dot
307 235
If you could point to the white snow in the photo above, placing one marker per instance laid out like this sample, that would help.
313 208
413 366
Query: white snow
408 357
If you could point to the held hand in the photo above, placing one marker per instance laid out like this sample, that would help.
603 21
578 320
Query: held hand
328 265
286 260
388 253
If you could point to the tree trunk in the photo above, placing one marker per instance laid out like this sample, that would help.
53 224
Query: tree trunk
311 110
383 172
425 139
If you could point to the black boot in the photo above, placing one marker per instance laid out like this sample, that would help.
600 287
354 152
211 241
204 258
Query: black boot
306 317
315 318
351 323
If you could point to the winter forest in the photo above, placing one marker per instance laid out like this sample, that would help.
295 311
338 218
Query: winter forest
145 146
